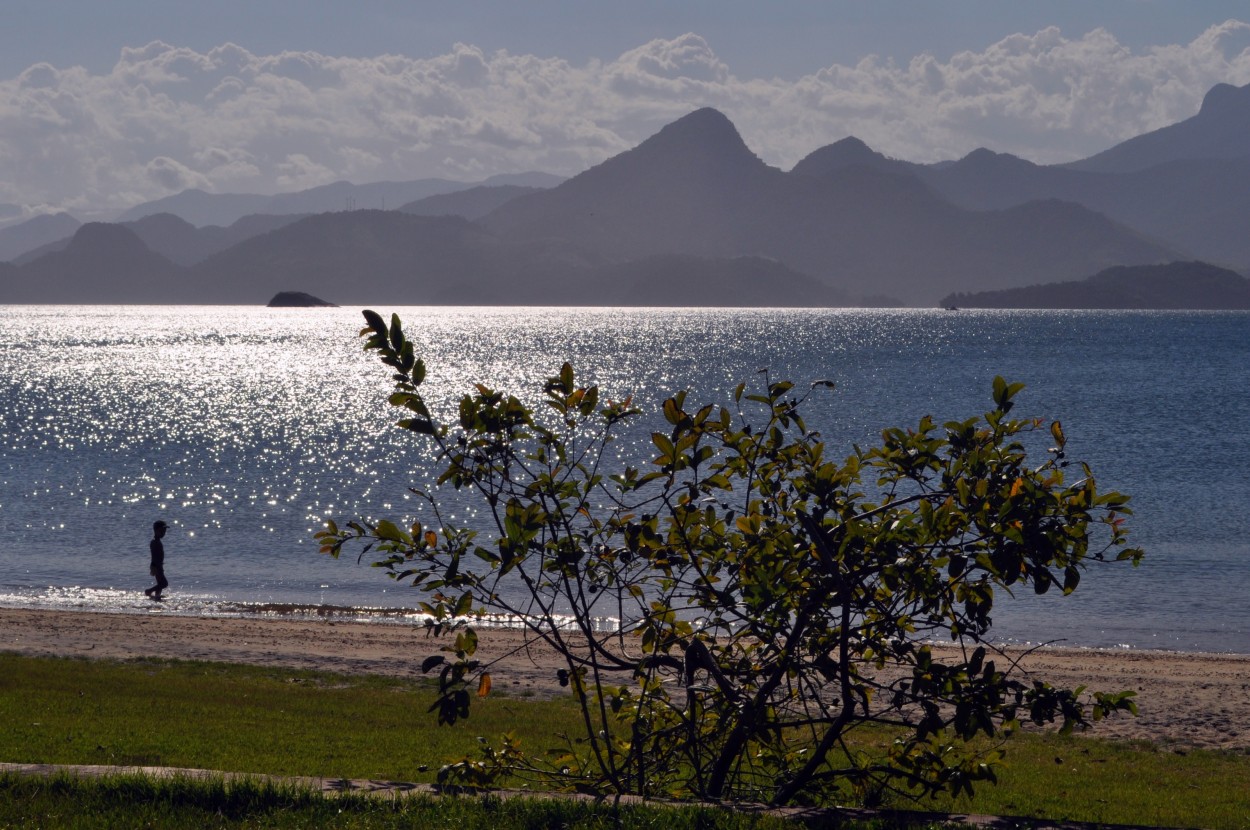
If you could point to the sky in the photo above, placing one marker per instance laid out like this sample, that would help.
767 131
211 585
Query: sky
107 104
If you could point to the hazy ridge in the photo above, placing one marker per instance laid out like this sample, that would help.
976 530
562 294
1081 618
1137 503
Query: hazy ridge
689 216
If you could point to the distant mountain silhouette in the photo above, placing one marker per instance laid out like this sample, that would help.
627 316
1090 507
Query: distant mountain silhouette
398 258
688 189
985 180
381 256
1220 130
344 195
845 215
1186 186
180 241
473 203
1177 285
844 224
223 209
185 244
16 240
200 207
103 263
849 152
1197 206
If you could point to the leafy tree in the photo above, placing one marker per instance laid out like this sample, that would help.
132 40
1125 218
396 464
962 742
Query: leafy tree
775 603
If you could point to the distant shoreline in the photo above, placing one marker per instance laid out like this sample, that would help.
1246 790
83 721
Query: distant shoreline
1185 699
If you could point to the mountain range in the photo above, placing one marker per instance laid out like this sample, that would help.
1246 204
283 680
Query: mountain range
1176 285
689 216
201 208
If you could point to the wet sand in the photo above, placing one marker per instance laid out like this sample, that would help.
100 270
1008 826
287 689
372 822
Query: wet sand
1185 700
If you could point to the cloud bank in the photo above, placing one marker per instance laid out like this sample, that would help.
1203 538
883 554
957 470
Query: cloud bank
167 118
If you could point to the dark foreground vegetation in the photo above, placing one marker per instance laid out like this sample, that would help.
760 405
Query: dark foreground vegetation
295 723
779 604
133 801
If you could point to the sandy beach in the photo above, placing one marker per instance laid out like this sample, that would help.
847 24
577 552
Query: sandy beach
1185 700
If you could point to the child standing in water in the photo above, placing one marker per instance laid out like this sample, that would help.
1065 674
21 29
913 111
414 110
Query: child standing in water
157 568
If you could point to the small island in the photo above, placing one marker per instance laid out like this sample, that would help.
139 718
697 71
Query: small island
1190 286
298 299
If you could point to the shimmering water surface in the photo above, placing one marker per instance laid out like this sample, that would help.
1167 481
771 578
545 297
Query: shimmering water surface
245 428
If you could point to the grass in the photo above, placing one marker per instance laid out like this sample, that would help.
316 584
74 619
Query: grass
130 801
287 722
246 719
1075 778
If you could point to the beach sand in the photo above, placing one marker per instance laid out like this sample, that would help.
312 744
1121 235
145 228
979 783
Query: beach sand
1185 700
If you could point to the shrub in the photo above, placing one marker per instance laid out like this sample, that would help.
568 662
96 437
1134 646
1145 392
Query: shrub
774 601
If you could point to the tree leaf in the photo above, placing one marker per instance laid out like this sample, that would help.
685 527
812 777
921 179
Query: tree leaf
389 531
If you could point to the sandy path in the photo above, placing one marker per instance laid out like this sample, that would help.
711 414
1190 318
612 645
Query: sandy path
1199 700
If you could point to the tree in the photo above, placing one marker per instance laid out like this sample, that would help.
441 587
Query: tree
776 604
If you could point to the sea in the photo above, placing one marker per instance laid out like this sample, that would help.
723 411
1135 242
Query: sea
246 428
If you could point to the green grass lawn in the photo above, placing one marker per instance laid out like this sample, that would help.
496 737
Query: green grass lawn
246 719
1084 779
287 722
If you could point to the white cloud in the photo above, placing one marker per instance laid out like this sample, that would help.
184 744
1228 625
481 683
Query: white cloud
669 67
174 176
297 172
167 117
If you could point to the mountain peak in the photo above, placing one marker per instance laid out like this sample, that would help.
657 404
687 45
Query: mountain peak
980 155
853 150
983 158
1225 98
705 121
706 131
109 237
847 152
1218 131
703 145
164 223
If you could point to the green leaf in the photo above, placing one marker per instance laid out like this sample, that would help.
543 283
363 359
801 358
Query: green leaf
590 400
672 413
421 426
375 321
466 641
389 531
1000 389
396 333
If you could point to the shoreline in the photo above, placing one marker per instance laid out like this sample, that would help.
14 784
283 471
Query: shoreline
1185 700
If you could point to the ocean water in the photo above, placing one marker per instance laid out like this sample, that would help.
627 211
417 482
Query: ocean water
246 428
